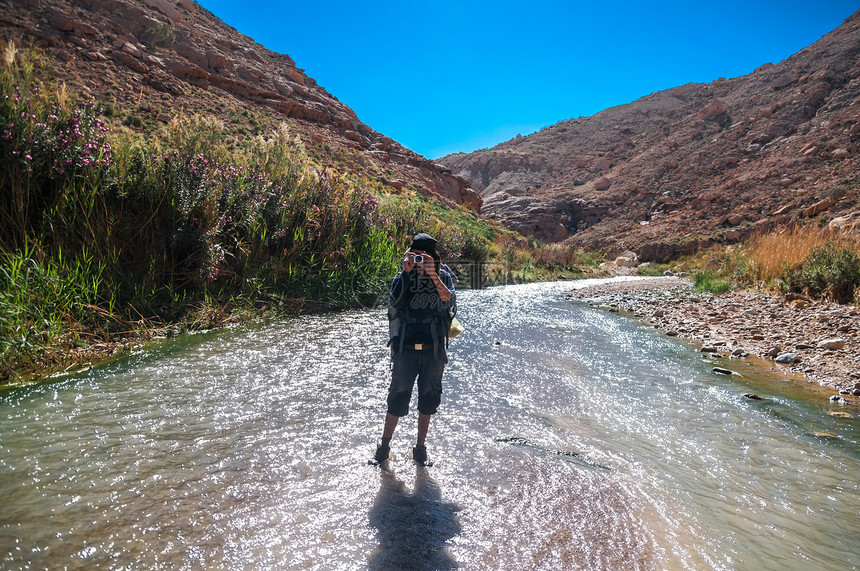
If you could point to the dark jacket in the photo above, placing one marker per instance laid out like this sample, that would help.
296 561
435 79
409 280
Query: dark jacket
416 313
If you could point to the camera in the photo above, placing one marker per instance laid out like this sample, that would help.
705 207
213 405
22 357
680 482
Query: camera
418 259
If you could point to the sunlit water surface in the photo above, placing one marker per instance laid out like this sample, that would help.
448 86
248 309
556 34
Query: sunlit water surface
569 437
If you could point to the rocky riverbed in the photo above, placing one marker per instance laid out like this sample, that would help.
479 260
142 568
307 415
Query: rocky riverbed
819 341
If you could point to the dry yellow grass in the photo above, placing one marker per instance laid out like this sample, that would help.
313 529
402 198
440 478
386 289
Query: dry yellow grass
785 249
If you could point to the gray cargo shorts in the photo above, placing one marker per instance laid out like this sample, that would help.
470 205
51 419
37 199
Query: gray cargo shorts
410 364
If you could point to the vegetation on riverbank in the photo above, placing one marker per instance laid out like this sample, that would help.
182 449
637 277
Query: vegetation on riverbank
106 235
806 259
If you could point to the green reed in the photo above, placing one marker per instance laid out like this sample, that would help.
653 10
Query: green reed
103 233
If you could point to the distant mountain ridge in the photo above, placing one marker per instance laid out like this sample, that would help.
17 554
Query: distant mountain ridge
683 168
160 58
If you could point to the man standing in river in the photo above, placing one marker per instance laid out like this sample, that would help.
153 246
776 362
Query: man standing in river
420 307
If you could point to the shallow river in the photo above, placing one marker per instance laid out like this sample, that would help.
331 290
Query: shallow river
569 438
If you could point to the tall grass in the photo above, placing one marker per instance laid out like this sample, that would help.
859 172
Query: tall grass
807 259
829 271
518 260
103 232
708 281
768 257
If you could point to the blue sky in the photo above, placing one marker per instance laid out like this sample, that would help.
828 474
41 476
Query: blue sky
448 76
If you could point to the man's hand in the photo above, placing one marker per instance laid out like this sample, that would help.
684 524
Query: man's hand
407 262
427 265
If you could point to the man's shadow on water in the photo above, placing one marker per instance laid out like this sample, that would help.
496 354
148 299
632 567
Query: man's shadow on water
413 527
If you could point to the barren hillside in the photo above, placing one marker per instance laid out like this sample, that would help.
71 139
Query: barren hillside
154 59
682 168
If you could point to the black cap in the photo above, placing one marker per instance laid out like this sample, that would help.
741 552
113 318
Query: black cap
424 242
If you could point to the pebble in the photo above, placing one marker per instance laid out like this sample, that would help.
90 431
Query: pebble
722 371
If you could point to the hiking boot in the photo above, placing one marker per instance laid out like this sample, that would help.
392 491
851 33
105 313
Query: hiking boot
382 453
419 454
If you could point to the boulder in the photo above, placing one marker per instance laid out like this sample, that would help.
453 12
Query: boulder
602 183
131 49
784 80
165 7
189 72
84 29
216 60
627 260
817 208
832 344
282 88
191 54
64 55
787 358
62 22
130 61
601 164
95 56
296 76
711 111
845 222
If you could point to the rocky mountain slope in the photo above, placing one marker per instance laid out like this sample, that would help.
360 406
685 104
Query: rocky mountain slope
154 59
682 168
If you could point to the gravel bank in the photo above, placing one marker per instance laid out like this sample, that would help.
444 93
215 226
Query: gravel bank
818 340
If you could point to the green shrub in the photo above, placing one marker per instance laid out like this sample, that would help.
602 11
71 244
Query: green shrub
108 109
708 281
828 271
161 34
133 121
652 270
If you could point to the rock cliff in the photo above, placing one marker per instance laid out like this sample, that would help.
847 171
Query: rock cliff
683 168
160 58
